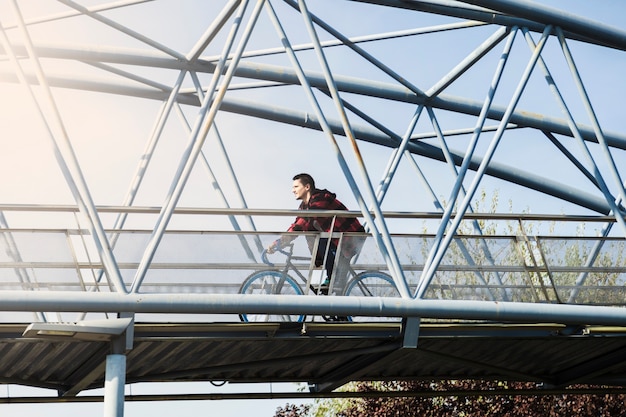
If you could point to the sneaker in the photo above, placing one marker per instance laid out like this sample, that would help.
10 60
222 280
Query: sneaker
336 318
323 287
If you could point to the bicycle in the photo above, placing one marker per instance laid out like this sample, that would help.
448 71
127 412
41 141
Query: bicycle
278 281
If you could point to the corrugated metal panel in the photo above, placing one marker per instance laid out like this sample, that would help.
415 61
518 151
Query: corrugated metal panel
324 354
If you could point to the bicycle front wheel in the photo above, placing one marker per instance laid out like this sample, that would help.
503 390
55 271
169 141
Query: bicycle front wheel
372 284
274 283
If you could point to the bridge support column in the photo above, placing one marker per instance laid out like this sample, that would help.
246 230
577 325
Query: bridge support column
115 380
411 332
115 374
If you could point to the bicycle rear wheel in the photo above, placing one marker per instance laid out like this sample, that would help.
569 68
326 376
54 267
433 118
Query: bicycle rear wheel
372 284
270 282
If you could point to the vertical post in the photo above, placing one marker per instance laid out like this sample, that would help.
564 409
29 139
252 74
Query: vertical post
115 380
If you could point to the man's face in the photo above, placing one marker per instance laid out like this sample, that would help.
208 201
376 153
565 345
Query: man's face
299 190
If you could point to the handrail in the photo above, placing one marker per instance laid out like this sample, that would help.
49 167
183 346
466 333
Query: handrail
536 263
213 262
290 212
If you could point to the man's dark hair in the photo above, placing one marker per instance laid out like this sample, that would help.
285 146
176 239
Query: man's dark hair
305 179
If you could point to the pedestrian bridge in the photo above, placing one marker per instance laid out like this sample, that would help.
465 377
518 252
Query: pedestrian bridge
425 118
539 298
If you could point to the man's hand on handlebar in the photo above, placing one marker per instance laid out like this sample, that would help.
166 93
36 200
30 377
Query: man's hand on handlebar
274 246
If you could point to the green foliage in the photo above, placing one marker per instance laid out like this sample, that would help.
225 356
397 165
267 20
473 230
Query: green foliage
528 261
292 410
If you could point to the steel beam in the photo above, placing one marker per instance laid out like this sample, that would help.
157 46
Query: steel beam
517 312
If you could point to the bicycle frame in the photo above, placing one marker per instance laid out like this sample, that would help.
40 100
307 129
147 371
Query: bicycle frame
289 265
278 281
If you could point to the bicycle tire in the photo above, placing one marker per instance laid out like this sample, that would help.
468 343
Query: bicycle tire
266 282
372 284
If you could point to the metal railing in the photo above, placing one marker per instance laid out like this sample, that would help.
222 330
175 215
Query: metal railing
518 258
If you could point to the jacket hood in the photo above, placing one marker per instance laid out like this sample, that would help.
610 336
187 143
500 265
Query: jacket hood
323 193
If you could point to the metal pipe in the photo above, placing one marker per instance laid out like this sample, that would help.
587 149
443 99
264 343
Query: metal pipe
148 152
591 258
539 391
287 75
594 120
380 65
229 170
387 248
434 261
13 252
462 247
396 157
468 62
94 9
37 208
533 15
67 160
460 175
538 12
469 153
611 200
115 379
205 120
123 29
517 312
213 30
213 179
362 39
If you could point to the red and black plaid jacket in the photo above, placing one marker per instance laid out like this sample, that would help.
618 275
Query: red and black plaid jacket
325 200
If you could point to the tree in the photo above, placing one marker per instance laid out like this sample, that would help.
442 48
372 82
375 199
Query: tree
292 410
442 405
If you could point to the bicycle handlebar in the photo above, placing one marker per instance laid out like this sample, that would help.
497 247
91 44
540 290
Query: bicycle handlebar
264 258
267 261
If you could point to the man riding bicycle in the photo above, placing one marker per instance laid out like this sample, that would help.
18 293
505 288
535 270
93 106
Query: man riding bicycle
315 199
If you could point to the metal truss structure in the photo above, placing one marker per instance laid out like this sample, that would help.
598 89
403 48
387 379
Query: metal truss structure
425 113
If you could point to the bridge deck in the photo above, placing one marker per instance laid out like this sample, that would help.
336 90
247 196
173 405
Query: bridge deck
324 354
